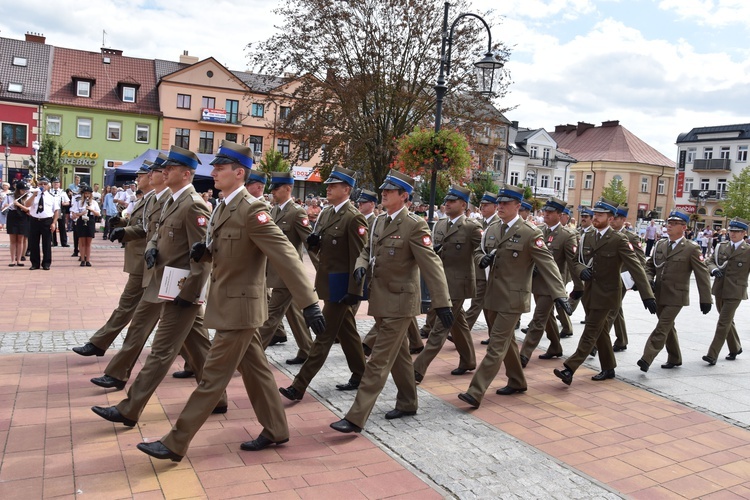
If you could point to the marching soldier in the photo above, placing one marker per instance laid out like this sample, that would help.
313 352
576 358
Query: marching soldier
730 266
488 209
455 239
400 250
340 233
671 265
585 216
182 223
240 239
563 245
292 220
566 329
510 248
602 254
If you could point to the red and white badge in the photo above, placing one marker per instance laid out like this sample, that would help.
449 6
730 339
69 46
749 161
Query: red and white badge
305 222
630 245
361 230
262 217
539 242
201 221
575 249
426 240
701 257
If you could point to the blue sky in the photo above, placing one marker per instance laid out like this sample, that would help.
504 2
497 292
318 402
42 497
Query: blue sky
661 67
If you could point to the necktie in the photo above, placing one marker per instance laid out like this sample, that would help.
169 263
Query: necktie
669 247
598 236
731 250
504 229
387 221
40 207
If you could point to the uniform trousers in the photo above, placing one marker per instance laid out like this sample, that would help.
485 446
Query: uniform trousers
280 305
617 319
390 354
461 337
429 323
339 323
543 316
415 340
501 349
477 303
144 321
62 230
664 334
725 329
230 350
121 316
567 326
594 334
176 327
39 230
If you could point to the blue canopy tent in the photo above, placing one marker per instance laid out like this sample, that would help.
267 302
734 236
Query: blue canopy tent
116 176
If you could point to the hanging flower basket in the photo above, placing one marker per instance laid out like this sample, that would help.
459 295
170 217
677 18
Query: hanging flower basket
419 151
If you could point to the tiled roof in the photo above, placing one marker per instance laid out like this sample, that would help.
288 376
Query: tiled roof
742 129
34 76
612 143
68 63
256 82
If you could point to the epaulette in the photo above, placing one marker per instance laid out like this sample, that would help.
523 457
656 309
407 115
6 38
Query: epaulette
196 197
496 221
531 225
353 210
474 221
413 216
691 242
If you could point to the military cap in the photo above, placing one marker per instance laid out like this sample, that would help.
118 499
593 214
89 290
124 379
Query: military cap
341 174
85 188
622 211
231 152
54 179
367 195
583 210
398 180
555 205
510 192
525 205
458 193
145 167
568 210
21 185
182 157
488 197
738 224
159 161
281 178
604 205
256 176
678 216
43 179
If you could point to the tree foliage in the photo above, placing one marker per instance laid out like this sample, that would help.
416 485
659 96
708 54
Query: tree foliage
737 203
366 72
615 191
50 158
482 182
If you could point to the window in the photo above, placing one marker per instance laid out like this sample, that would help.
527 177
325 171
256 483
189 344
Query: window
571 181
284 112
741 153
182 137
257 110
142 133
114 130
721 186
544 181
304 150
233 111
705 183
19 61
724 153
690 155
708 153
497 162
661 188
84 173
282 146
83 89
644 184
14 135
231 137
533 152
83 129
208 102
16 88
256 143
545 157
54 125
514 176
588 181
688 184
557 184
183 101
128 94
206 143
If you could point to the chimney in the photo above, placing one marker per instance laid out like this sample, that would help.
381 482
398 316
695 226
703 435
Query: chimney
35 37
583 127
514 124
111 52
564 128
611 123
186 59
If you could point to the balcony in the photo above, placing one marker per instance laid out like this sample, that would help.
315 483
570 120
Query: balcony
720 164
710 195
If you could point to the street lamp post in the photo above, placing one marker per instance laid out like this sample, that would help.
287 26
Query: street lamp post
485 69
702 195
6 176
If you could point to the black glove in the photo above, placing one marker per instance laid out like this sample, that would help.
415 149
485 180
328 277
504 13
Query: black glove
534 272
359 275
717 273
563 302
350 299
150 257
314 318
446 316
198 250
650 304
313 240
115 220
705 307
438 248
635 287
487 260
575 295
587 275
182 302
117 234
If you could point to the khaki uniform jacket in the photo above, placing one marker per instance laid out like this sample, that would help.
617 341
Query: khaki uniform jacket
181 224
735 266
516 254
244 239
672 273
135 239
607 257
293 222
481 274
636 242
457 253
152 212
343 235
392 254
563 244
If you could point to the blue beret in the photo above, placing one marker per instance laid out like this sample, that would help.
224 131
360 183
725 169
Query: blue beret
525 205
678 216
738 225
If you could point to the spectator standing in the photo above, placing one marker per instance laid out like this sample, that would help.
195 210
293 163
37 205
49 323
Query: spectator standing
650 238
109 210
74 186
64 202
4 213
85 213
17 223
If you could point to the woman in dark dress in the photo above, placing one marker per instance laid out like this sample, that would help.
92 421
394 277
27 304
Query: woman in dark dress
18 222
85 213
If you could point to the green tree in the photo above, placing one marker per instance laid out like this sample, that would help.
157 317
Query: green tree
482 182
737 203
50 158
615 191
273 161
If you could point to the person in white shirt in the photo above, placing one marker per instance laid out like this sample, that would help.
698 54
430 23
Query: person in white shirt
85 213
64 201
45 210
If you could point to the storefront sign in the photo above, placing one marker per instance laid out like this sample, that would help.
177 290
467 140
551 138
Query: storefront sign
688 209
309 174
78 158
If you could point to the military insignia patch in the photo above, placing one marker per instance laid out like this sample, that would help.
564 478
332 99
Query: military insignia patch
305 222
638 244
262 218
701 258
361 230
426 241
539 242
201 221
630 245
575 249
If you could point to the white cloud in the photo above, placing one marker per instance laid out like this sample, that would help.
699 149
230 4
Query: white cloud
712 13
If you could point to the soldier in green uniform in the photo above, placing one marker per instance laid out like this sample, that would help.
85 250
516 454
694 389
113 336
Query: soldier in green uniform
585 215
401 250
510 248
729 266
673 261
488 209
566 329
602 254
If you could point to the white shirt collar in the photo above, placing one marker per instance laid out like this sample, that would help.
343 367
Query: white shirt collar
161 193
675 242
515 219
178 193
338 207
394 214
453 221
231 196
281 207
603 231
554 227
